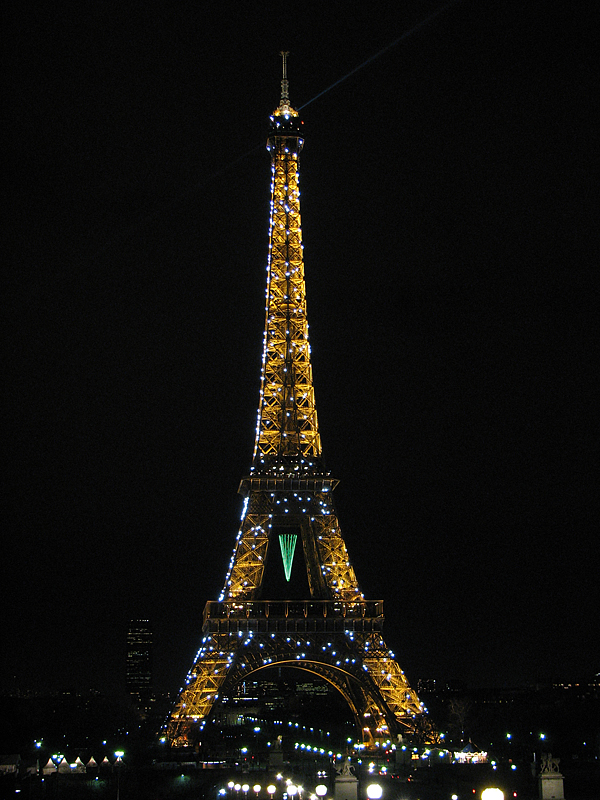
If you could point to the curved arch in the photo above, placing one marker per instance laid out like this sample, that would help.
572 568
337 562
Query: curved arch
302 667
369 710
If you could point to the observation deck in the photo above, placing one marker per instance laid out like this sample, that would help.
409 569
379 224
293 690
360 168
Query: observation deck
293 616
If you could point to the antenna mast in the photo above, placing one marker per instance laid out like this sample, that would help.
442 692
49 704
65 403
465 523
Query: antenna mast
285 87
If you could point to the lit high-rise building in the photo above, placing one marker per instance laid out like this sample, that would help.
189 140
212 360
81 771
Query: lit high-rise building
139 663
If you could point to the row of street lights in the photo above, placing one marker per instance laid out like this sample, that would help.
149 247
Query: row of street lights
374 790
291 790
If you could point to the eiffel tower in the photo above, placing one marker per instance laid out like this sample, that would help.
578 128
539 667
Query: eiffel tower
291 598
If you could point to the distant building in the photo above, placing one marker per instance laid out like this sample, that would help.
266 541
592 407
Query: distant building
139 663
10 764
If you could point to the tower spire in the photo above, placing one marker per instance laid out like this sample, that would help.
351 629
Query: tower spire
285 97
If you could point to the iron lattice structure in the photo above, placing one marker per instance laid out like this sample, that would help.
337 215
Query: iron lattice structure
334 633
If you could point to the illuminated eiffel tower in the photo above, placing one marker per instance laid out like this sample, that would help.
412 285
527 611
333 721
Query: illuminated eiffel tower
291 598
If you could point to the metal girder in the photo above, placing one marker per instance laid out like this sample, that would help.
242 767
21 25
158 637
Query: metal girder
334 558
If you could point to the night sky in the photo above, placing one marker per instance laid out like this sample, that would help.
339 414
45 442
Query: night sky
449 228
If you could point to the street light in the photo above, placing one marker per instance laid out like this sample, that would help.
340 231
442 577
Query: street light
57 760
321 790
374 791
118 763
271 790
256 788
492 794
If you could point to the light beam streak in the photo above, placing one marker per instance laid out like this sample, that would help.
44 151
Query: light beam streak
401 38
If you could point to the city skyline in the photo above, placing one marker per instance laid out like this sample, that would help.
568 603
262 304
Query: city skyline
447 224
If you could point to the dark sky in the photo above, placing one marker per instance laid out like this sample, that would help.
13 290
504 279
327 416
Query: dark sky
448 224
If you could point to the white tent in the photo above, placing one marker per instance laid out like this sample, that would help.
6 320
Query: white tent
49 768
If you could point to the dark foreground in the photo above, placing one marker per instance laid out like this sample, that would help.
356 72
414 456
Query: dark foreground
465 782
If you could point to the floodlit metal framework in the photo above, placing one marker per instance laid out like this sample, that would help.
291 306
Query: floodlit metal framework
335 633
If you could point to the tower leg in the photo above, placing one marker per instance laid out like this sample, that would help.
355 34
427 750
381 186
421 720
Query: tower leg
202 688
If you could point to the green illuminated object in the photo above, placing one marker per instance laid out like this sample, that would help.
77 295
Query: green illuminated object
287 542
